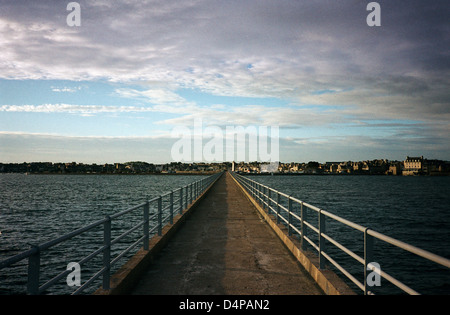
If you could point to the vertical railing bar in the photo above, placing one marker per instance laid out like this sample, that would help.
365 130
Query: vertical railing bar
160 215
186 196
196 189
171 207
257 193
264 199
321 239
107 252
34 266
181 200
368 256
290 216
302 227
253 190
261 195
278 207
146 226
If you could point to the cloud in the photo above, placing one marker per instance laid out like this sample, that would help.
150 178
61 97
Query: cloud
73 109
66 89
162 135
157 96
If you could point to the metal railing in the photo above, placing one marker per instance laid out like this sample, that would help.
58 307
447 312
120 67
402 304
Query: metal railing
299 224
177 200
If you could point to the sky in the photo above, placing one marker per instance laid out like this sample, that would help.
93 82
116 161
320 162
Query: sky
116 87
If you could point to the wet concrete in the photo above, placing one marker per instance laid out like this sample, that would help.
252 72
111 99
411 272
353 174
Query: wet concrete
225 247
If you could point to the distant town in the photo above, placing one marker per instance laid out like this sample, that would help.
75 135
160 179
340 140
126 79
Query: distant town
410 166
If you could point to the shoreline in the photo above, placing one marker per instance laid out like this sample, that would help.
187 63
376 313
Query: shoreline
212 172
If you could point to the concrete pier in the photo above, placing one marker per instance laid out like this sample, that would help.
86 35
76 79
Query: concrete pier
225 247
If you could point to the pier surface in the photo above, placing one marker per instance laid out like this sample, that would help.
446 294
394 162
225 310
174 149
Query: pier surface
225 247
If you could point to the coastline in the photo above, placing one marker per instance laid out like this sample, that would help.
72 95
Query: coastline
439 174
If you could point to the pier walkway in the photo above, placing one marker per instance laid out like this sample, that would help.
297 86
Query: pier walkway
225 247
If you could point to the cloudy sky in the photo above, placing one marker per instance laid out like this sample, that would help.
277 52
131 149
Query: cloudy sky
114 88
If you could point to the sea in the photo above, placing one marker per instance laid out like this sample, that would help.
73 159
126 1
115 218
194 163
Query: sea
415 210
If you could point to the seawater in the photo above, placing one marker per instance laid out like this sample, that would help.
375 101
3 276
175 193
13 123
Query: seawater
415 210
37 208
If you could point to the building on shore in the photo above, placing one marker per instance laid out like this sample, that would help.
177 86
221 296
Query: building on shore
413 165
395 168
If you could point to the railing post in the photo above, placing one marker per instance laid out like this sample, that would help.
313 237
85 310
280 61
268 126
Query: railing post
181 200
302 226
34 266
259 194
106 252
186 196
171 207
146 226
368 255
196 190
278 207
264 198
321 240
289 216
190 188
268 201
160 215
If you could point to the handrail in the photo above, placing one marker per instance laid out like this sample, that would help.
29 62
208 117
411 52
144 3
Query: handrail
186 196
262 195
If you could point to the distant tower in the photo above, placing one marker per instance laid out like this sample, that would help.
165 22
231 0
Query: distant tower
233 166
